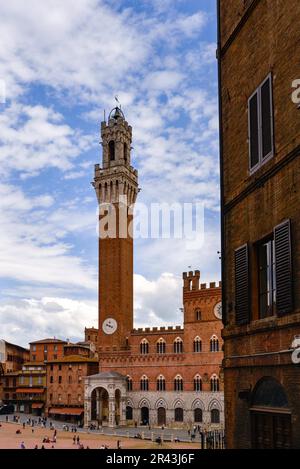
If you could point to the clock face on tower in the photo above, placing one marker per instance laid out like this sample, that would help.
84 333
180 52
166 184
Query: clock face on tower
218 310
109 326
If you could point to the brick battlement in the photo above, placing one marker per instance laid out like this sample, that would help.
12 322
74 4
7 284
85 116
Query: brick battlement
191 282
157 329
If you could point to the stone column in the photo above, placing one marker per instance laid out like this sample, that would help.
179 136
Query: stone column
111 412
123 411
87 412
98 405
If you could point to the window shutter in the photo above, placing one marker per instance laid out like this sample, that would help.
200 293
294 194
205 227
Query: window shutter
266 116
242 287
253 130
283 268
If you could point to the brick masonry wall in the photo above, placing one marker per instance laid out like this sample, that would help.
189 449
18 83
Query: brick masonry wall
267 43
187 364
69 392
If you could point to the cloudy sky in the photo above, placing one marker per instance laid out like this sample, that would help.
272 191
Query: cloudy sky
62 63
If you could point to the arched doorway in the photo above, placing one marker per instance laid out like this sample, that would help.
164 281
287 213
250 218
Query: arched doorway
144 415
270 416
178 414
198 415
129 413
161 416
215 416
99 405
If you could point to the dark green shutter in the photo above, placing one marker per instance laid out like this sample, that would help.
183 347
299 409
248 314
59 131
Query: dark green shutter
266 118
242 285
283 268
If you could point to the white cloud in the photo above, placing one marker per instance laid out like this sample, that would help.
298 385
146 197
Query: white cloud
85 53
32 249
67 45
157 302
23 321
163 80
34 138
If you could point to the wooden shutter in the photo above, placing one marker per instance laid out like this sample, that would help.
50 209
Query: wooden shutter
283 268
266 118
242 286
253 130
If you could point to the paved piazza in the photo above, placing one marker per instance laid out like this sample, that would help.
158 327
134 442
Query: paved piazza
9 439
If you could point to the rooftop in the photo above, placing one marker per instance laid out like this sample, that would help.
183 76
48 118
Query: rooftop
107 375
52 340
74 359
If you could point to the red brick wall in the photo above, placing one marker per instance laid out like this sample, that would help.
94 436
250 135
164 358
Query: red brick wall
187 364
267 42
53 349
76 370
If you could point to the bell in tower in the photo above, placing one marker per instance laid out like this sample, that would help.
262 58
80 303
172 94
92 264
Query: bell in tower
116 139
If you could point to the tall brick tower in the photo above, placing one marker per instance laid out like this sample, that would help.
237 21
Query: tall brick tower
116 186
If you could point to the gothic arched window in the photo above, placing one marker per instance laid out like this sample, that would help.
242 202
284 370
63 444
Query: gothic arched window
144 383
197 345
161 383
197 314
197 383
161 346
178 383
178 345
214 344
214 383
144 347
129 383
